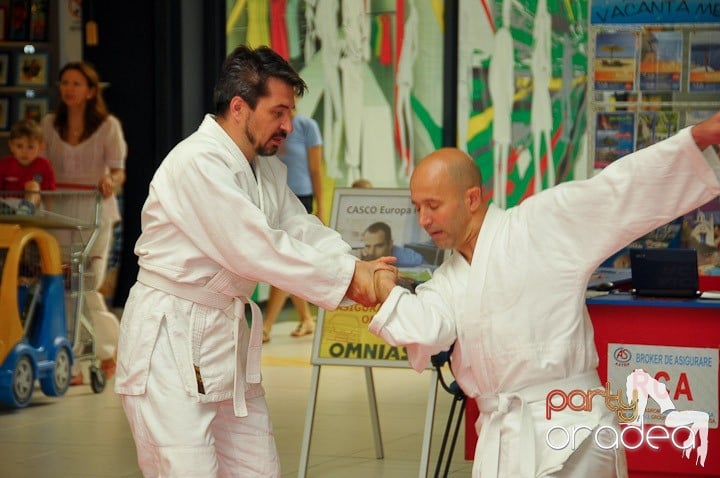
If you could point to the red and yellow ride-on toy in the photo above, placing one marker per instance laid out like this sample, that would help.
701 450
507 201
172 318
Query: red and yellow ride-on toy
33 330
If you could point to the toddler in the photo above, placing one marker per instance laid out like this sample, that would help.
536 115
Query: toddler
24 169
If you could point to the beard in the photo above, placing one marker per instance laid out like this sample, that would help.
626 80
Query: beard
264 149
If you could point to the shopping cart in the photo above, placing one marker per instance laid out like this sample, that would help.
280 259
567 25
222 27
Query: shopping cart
44 252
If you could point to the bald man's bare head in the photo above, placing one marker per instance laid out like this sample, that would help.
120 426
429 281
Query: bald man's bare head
446 190
452 165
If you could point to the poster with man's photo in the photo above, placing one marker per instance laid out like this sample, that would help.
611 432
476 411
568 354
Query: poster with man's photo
376 223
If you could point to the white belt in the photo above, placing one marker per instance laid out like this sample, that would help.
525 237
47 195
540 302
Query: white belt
499 405
218 300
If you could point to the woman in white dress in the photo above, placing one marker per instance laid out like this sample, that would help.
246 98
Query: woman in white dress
87 149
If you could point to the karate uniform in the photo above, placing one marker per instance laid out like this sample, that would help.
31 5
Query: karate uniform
517 314
212 227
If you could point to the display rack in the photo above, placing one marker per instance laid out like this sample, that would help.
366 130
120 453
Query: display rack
652 71
27 61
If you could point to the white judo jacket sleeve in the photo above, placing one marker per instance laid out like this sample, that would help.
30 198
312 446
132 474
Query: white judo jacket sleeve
206 210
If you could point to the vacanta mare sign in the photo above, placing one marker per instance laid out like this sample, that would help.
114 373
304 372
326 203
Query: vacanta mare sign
654 11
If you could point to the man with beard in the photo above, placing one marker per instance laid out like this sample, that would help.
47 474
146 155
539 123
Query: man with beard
219 218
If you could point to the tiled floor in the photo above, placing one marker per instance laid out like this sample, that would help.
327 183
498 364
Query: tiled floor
85 435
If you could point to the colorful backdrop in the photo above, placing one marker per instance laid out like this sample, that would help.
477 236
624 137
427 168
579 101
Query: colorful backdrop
374 68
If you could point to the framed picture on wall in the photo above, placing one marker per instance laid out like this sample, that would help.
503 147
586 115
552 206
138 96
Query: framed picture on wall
19 20
38 20
32 108
32 69
3 23
4 67
4 113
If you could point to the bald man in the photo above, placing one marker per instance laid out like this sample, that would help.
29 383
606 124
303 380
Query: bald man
512 296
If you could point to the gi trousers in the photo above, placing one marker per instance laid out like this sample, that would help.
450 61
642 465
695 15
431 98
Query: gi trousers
176 436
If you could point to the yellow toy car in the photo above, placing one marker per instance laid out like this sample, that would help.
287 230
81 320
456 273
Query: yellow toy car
33 330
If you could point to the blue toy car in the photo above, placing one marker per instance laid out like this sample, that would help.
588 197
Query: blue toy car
33 329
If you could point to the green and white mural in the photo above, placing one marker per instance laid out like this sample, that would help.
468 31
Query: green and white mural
522 93
375 72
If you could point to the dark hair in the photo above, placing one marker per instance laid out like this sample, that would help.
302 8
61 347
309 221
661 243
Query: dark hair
378 227
245 73
95 110
26 128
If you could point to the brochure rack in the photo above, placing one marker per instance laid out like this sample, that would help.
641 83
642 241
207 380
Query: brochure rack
653 69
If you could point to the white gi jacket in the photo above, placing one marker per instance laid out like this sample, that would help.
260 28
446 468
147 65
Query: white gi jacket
517 315
210 232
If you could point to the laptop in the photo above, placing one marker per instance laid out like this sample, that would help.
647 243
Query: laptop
664 272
